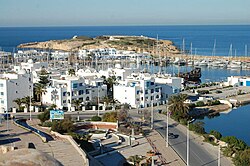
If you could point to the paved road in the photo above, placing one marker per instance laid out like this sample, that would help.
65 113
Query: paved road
201 154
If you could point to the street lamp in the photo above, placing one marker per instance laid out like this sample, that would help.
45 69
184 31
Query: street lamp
30 100
152 115
188 122
167 131
188 143
98 112
54 92
219 156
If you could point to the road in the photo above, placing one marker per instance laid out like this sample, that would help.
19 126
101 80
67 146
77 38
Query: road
201 154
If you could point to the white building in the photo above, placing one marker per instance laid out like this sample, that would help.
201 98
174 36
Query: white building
175 82
141 90
238 81
63 91
119 72
13 86
31 66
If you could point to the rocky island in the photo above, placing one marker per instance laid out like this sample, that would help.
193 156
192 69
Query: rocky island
130 43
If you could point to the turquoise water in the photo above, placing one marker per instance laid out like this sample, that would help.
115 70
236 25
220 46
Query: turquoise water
202 37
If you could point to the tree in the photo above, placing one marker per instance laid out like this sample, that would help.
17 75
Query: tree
19 102
177 107
39 91
110 81
44 78
27 101
123 115
77 103
71 72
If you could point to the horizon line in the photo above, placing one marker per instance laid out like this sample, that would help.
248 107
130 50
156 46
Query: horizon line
132 25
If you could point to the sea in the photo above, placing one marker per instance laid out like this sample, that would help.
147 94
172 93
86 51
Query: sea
203 38
206 40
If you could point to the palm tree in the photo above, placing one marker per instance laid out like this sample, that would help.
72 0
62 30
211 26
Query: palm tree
71 72
39 91
110 81
19 102
26 100
177 105
77 103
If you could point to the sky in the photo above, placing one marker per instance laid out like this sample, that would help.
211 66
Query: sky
123 12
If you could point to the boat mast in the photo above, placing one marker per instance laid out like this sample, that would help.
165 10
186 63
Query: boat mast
213 53
230 54
246 51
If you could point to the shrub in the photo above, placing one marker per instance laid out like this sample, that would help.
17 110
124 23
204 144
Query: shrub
110 117
242 158
96 118
216 134
197 127
63 126
200 104
232 140
218 91
44 116
47 124
216 102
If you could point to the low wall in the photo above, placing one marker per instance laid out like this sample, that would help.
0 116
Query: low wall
97 125
84 155
44 139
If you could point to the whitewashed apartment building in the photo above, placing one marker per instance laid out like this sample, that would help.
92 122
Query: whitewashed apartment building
13 86
63 91
140 90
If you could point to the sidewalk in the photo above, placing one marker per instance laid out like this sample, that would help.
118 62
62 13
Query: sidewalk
167 156
61 149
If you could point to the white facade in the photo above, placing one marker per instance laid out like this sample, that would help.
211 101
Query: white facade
63 91
141 91
238 81
31 66
13 86
175 82
119 72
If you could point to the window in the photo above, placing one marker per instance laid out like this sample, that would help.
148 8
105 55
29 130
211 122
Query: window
2 101
152 90
1 85
68 101
64 93
2 93
87 91
81 92
87 98
80 84
152 83
74 86
138 92
141 98
64 101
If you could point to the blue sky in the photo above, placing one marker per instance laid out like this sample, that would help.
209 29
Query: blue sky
123 12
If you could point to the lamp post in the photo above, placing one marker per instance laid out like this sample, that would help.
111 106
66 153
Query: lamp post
152 115
167 131
98 112
30 101
219 156
188 143
54 92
